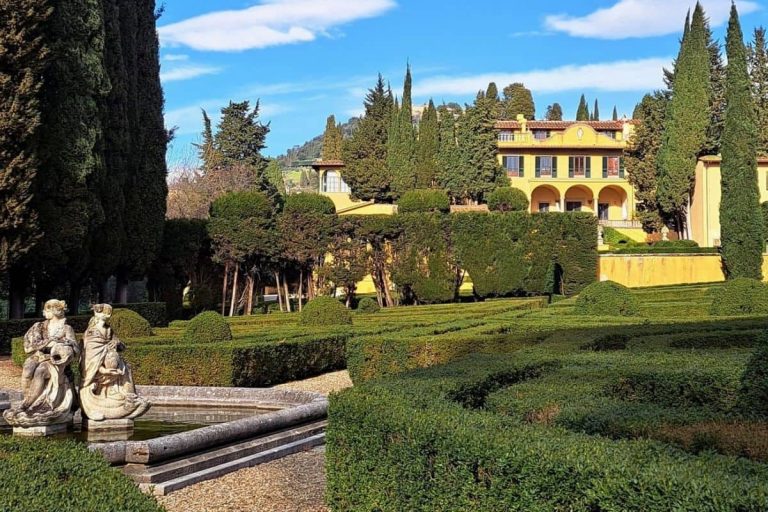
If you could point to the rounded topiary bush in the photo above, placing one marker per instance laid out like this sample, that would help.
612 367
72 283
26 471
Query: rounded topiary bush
129 324
740 296
368 305
207 327
507 199
325 311
424 200
753 396
607 298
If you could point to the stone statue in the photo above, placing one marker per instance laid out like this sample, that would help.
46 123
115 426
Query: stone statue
107 391
47 383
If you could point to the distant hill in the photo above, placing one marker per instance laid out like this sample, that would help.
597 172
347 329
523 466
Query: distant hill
305 154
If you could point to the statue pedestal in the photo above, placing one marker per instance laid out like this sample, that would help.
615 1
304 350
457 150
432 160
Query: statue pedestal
40 431
108 430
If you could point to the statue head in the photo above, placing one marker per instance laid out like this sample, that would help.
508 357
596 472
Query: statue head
102 312
54 308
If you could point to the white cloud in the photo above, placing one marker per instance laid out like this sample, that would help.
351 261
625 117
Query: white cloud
270 23
627 75
642 18
187 72
175 57
189 119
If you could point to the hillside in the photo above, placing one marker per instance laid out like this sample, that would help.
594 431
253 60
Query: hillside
306 153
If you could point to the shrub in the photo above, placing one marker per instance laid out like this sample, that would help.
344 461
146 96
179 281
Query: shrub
73 478
507 199
129 324
607 298
423 201
368 305
753 396
325 311
154 312
740 296
207 327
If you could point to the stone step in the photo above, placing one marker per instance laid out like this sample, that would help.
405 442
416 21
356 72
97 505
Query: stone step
175 468
300 445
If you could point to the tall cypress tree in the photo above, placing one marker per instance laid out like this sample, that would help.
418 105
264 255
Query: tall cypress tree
716 94
23 58
582 112
492 93
332 138
596 112
449 169
758 66
615 115
206 150
481 171
401 144
741 222
427 148
518 100
365 152
554 112
686 123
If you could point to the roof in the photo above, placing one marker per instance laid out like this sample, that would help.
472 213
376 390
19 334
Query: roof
763 160
561 125
327 163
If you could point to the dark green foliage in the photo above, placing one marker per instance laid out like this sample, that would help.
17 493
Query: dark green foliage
154 312
764 213
349 258
306 227
741 222
753 395
740 296
554 112
424 200
686 122
449 174
240 226
641 156
401 144
365 152
274 174
615 116
332 140
322 311
129 324
518 100
74 479
207 327
427 147
508 199
10 329
368 305
23 57
758 67
716 94
422 260
595 116
607 298
582 112
492 94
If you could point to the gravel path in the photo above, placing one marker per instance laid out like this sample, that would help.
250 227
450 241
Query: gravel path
10 376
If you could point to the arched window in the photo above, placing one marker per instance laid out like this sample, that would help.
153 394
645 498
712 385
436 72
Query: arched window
332 182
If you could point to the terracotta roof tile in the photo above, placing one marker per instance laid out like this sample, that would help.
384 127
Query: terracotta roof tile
328 163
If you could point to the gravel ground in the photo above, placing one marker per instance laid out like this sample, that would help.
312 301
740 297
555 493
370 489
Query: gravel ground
324 384
10 376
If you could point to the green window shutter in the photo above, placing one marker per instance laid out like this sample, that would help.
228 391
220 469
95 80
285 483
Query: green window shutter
570 167
605 167
554 166
521 166
505 162
588 166
538 167
621 167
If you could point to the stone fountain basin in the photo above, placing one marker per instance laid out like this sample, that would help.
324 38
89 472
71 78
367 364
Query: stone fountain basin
290 409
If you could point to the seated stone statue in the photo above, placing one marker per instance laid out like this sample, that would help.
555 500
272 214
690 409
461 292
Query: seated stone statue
47 384
107 391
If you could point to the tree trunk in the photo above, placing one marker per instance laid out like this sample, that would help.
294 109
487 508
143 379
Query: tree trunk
279 293
249 296
17 291
42 294
234 291
121 287
301 288
224 290
73 302
287 296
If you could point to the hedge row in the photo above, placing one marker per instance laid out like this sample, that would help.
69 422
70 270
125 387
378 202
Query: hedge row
45 474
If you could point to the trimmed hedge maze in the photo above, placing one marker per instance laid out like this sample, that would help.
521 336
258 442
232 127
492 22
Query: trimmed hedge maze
550 410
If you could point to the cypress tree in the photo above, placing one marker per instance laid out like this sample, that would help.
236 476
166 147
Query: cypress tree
716 94
596 112
481 172
615 115
741 222
365 152
332 138
274 174
582 112
427 148
686 123
758 66
206 150
554 112
492 93
518 100
401 144
449 175
23 58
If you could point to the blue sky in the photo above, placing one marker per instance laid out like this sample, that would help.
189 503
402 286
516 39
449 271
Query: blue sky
306 59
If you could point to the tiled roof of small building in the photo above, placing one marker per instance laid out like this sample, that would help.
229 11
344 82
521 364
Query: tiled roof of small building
328 163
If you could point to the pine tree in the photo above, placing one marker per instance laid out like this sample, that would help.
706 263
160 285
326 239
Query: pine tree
554 112
596 112
449 170
686 123
615 115
641 155
23 58
365 152
518 100
401 144
741 222
758 66
481 172
427 148
332 138
582 112
492 93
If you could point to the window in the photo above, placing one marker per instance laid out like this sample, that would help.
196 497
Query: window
573 206
612 167
602 211
514 164
543 207
332 182
540 134
546 167
609 133
579 166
